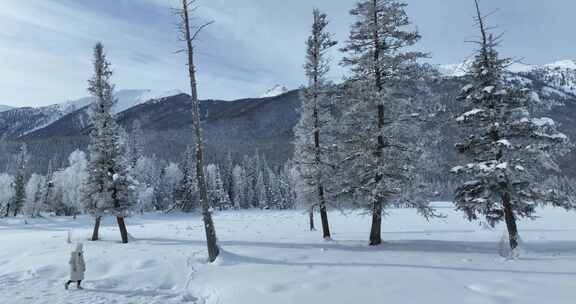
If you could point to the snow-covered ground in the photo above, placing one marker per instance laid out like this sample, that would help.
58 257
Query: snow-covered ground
270 257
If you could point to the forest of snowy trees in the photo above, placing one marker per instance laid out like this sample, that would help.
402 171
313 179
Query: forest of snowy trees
354 146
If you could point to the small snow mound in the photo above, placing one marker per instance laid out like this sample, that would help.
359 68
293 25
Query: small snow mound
504 249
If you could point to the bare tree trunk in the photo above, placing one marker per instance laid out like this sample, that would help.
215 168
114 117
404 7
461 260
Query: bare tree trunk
95 235
123 230
323 214
209 228
311 216
318 160
7 210
375 231
510 221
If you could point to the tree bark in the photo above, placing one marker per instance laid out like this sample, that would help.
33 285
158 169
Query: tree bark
375 231
95 235
209 228
324 214
510 221
318 161
311 216
123 230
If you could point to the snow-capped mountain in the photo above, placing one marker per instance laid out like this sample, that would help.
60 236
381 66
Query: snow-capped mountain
125 99
274 91
263 124
18 122
559 75
459 69
5 108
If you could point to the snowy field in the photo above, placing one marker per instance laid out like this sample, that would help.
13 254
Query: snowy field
270 257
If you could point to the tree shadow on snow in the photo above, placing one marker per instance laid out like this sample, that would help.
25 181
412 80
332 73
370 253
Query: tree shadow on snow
132 293
433 246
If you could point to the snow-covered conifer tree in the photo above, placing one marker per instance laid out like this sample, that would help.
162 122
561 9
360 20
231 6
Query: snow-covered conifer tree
168 182
376 160
239 187
312 144
250 166
186 193
107 190
135 145
20 180
6 193
509 152
226 171
218 196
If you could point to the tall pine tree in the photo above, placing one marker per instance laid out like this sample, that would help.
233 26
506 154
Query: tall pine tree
107 189
311 144
20 181
509 153
376 161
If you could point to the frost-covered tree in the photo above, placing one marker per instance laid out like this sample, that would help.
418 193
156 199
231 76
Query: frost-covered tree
48 186
107 190
135 144
186 193
509 152
168 182
287 184
251 166
69 184
218 196
34 193
261 190
6 193
311 144
376 161
20 180
226 172
239 187
145 174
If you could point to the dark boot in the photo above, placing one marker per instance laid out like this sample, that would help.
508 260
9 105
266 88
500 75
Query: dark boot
79 287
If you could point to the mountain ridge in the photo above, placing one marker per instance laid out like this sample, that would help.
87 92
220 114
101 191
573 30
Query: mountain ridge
265 125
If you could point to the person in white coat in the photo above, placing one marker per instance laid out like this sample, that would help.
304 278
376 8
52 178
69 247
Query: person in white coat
77 266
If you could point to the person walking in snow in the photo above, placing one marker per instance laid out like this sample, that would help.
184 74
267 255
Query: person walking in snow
77 266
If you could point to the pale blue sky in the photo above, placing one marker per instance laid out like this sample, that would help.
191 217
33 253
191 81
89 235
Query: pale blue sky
45 45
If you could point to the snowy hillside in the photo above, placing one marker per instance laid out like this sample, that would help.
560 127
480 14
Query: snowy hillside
22 121
557 68
270 257
125 99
